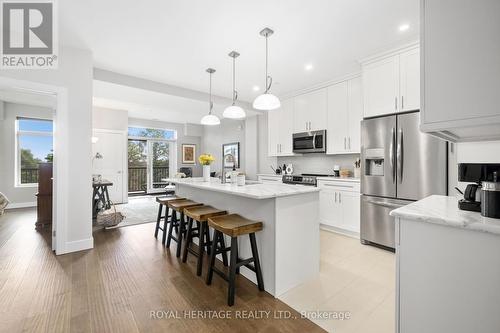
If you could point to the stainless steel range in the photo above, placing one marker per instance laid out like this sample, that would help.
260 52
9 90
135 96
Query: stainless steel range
303 179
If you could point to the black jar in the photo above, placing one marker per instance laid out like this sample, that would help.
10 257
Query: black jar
490 199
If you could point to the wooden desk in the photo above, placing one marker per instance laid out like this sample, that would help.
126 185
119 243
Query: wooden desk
100 195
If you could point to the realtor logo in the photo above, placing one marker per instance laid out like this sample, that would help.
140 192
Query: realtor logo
29 39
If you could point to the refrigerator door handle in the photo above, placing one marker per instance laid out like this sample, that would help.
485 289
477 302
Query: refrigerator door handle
391 154
385 204
399 155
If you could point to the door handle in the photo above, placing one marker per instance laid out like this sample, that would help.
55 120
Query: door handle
340 197
335 196
344 143
399 155
396 103
391 154
402 102
349 142
385 204
314 141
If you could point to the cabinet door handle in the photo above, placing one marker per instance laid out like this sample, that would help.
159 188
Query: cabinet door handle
340 197
344 143
335 196
402 102
349 142
310 126
396 103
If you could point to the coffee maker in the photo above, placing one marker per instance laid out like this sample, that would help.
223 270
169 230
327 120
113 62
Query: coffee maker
475 173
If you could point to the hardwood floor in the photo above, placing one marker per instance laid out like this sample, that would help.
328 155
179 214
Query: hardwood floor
116 286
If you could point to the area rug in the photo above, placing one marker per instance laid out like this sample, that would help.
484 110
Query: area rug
138 210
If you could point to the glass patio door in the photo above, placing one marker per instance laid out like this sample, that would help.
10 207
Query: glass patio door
159 165
137 166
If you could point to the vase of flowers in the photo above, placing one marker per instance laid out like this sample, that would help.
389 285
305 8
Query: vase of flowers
205 160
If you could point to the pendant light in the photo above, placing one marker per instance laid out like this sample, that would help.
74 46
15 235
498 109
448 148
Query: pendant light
210 119
234 111
267 101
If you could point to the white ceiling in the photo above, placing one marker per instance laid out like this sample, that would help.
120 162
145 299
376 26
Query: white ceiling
175 41
152 105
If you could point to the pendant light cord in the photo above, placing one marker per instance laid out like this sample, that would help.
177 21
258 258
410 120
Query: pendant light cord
269 79
267 88
235 94
211 105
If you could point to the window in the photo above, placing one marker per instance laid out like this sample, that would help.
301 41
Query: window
34 146
152 133
150 158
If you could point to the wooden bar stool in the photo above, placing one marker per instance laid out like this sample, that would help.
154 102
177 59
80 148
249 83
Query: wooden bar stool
178 206
163 201
234 225
200 214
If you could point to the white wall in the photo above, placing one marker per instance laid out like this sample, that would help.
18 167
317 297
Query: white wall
214 137
470 152
75 75
318 163
109 119
181 138
18 196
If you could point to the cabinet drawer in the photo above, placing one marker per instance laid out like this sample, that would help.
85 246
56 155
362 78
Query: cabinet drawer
338 185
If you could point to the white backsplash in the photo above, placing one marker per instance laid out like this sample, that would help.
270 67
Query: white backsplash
318 163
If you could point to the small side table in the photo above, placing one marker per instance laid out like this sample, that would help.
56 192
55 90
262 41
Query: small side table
100 195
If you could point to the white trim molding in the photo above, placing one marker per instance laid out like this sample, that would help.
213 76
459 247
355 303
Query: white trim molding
15 205
79 245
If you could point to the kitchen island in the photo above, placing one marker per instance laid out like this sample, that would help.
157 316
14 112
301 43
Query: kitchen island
447 268
289 242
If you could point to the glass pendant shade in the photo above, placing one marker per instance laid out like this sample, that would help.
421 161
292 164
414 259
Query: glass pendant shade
234 112
210 120
266 102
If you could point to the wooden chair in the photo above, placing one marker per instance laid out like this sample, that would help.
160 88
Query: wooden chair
163 201
178 206
234 225
200 215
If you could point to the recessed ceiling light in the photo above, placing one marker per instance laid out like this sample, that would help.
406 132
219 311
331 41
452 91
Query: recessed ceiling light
308 67
404 27
256 88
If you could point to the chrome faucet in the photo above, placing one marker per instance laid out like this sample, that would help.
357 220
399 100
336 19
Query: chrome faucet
224 172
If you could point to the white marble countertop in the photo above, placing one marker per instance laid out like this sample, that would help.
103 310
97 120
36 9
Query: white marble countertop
340 179
444 210
254 190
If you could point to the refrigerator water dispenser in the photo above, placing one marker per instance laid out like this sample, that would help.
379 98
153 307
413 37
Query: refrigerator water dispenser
374 162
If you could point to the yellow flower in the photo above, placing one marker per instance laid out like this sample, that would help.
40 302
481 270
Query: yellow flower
206 159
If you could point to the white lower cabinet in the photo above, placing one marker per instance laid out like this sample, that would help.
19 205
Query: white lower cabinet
339 205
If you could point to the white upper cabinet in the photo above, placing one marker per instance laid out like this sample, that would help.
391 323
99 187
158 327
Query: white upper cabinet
345 107
310 111
409 83
381 87
273 123
280 130
461 69
391 84
355 102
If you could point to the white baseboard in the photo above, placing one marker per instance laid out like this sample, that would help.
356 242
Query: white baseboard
344 232
14 205
79 245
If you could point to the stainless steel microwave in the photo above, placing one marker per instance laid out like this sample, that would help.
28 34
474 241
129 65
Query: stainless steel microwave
309 142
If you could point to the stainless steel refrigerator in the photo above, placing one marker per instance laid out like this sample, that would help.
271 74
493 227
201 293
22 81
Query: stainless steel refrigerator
399 165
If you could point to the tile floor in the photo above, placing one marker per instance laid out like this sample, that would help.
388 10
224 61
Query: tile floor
355 278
